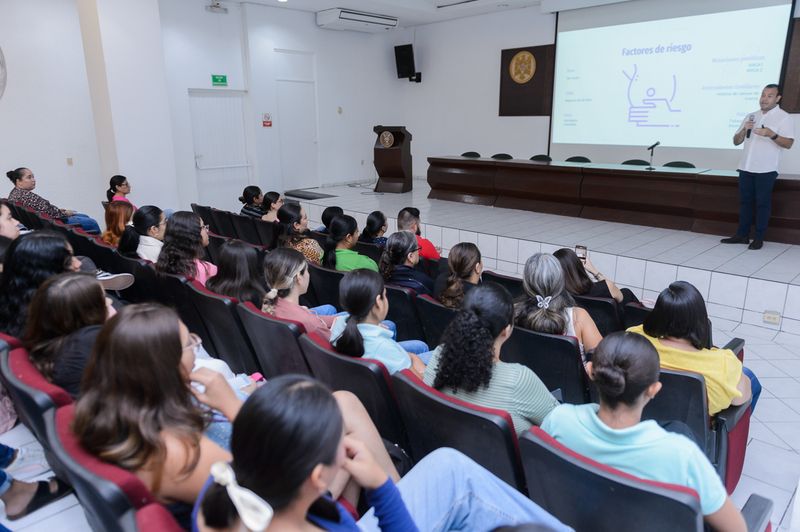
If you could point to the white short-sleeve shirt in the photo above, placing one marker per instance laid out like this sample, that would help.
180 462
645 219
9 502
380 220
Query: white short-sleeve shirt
762 154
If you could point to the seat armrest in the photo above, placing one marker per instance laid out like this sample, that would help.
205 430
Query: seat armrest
732 415
756 512
737 346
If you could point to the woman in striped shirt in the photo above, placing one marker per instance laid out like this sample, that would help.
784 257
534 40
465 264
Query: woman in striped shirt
467 364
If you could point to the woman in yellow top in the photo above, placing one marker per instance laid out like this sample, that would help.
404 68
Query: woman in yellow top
678 328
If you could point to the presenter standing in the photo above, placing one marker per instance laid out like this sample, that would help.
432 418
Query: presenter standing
765 134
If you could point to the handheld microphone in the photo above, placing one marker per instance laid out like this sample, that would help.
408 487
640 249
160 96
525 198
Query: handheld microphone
654 145
750 118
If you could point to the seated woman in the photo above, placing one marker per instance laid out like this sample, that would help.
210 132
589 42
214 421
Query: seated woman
118 190
289 452
547 307
22 193
253 200
464 268
272 204
398 262
338 248
286 273
238 273
360 334
294 232
625 370
578 282
185 240
149 222
374 229
467 364
64 319
30 260
118 214
9 226
328 214
678 328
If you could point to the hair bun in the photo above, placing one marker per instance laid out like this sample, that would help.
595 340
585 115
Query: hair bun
241 198
610 380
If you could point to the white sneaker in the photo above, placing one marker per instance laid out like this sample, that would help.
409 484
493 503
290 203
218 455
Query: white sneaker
114 281
28 463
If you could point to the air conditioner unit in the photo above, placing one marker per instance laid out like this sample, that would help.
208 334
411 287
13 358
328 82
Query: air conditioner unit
345 19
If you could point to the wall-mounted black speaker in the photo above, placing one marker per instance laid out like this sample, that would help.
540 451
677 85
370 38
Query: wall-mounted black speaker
404 57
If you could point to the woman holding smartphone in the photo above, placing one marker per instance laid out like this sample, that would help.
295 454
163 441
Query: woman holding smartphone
582 278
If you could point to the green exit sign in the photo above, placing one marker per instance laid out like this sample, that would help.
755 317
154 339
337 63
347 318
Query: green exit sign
219 80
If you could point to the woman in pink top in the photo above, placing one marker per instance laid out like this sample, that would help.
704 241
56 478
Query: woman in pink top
185 239
118 190
286 272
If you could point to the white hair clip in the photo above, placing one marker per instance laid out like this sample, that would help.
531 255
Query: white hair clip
543 302
255 512
272 294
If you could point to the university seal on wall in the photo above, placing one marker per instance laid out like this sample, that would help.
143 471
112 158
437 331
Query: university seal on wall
387 139
522 67
3 75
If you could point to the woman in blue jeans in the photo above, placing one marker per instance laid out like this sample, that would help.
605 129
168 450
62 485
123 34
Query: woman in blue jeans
287 447
22 498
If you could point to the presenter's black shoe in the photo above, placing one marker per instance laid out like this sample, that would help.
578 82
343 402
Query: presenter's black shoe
756 244
736 239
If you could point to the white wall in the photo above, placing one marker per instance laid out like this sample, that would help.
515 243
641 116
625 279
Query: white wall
45 113
455 108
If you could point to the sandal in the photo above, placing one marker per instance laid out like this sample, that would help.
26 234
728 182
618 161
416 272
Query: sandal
43 497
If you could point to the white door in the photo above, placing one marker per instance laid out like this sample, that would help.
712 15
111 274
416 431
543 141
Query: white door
220 147
297 125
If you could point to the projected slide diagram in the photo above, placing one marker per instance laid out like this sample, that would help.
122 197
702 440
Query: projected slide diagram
654 110
687 81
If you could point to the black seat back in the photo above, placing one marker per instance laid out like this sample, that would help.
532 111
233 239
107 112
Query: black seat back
556 360
636 162
245 229
604 312
471 154
541 158
204 212
433 420
325 284
268 233
403 313
435 318
587 495
372 251
512 284
502 156
366 379
274 341
222 223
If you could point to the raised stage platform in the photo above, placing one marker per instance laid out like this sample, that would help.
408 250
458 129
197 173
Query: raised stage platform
738 284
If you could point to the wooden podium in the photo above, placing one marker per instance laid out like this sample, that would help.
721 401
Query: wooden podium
393 159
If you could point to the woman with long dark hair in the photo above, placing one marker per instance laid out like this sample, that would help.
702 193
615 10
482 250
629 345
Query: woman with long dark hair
118 214
253 202
338 248
272 204
149 223
625 370
374 229
467 364
464 268
547 307
64 319
398 261
288 451
30 260
678 329
9 226
578 282
294 232
118 190
185 239
238 273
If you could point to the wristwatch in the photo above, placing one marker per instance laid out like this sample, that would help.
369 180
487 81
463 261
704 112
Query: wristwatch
773 137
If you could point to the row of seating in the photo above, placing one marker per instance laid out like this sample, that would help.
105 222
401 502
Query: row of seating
245 228
576 159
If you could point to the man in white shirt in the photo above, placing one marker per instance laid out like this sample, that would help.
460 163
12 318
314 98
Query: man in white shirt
765 134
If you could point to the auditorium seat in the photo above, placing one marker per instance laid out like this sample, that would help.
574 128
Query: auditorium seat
471 154
578 159
319 237
502 157
112 498
541 158
679 164
267 233
365 378
435 318
563 482
512 284
144 286
403 313
325 284
555 358
173 291
215 242
245 228
204 212
434 420
722 437
222 223
372 251
636 162
603 311
274 341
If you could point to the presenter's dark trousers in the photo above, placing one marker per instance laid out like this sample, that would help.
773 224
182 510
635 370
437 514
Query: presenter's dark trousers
755 190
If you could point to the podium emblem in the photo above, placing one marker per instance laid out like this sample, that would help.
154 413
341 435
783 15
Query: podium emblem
387 139
522 67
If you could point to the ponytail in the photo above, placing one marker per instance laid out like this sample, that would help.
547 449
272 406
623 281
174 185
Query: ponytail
542 308
113 183
281 266
110 195
461 262
351 342
341 226
398 246
358 291
218 509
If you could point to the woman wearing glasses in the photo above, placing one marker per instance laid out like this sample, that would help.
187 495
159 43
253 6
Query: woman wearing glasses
118 190
149 223
185 240
398 262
